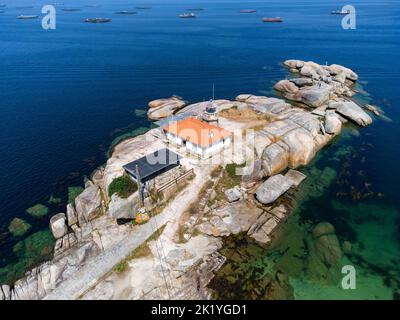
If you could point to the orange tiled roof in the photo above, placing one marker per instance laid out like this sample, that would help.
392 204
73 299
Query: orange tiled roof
197 132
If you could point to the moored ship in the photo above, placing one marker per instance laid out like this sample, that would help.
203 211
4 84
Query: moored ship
276 19
97 20
25 17
187 15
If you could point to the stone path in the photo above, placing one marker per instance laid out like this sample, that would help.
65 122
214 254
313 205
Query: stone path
92 272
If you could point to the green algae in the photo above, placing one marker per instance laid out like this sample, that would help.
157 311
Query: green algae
38 211
73 192
18 227
29 252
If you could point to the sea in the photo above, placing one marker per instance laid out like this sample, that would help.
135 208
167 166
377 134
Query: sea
67 94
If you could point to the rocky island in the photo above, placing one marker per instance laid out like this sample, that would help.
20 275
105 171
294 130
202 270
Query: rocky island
102 252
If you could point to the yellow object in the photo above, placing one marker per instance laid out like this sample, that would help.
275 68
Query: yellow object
141 217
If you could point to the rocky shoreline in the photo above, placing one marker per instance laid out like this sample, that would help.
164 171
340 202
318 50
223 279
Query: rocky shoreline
317 103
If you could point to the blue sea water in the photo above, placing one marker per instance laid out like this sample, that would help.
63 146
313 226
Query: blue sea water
65 94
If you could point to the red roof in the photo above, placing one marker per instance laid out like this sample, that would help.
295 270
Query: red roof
198 132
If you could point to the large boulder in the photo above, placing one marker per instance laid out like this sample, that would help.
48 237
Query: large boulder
273 188
326 243
286 86
72 218
301 147
58 226
88 204
353 112
336 69
316 95
275 158
294 64
333 125
301 82
163 108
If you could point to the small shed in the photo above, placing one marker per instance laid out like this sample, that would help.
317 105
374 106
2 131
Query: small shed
153 165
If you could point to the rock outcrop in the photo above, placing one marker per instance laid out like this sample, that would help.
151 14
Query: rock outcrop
88 204
353 112
58 225
273 188
163 108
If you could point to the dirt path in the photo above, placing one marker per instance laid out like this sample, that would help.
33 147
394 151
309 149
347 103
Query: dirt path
93 271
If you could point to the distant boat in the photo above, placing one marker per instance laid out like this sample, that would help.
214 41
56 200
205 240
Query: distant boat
247 11
341 12
70 9
126 12
187 15
276 19
97 20
22 16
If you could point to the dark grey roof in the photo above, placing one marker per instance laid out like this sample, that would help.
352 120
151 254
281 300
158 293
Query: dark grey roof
153 164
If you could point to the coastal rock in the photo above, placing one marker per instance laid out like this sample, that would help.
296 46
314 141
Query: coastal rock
286 86
88 204
232 194
273 188
58 226
336 69
264 104
119 208
301 147
353 112
333 125
316 95
6 292
72 218
275 158
163 108
295 176
301 82
294 64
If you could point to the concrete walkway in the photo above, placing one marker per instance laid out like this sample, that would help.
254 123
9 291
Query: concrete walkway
94 270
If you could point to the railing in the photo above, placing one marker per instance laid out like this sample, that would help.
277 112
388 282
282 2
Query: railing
175 181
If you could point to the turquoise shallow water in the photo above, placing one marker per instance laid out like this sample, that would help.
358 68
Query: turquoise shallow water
65 95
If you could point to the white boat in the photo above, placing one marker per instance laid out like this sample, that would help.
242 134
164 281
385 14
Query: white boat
22 16
187 15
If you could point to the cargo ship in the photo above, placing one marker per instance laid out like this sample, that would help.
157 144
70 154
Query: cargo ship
23 17
248 11
97 20
126 12
276 19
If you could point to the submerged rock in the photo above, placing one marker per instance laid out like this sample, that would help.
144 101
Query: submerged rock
18 227
273 188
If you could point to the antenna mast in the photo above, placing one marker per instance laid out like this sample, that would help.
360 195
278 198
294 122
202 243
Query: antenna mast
213 91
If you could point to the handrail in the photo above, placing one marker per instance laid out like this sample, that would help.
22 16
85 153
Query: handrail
175 181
